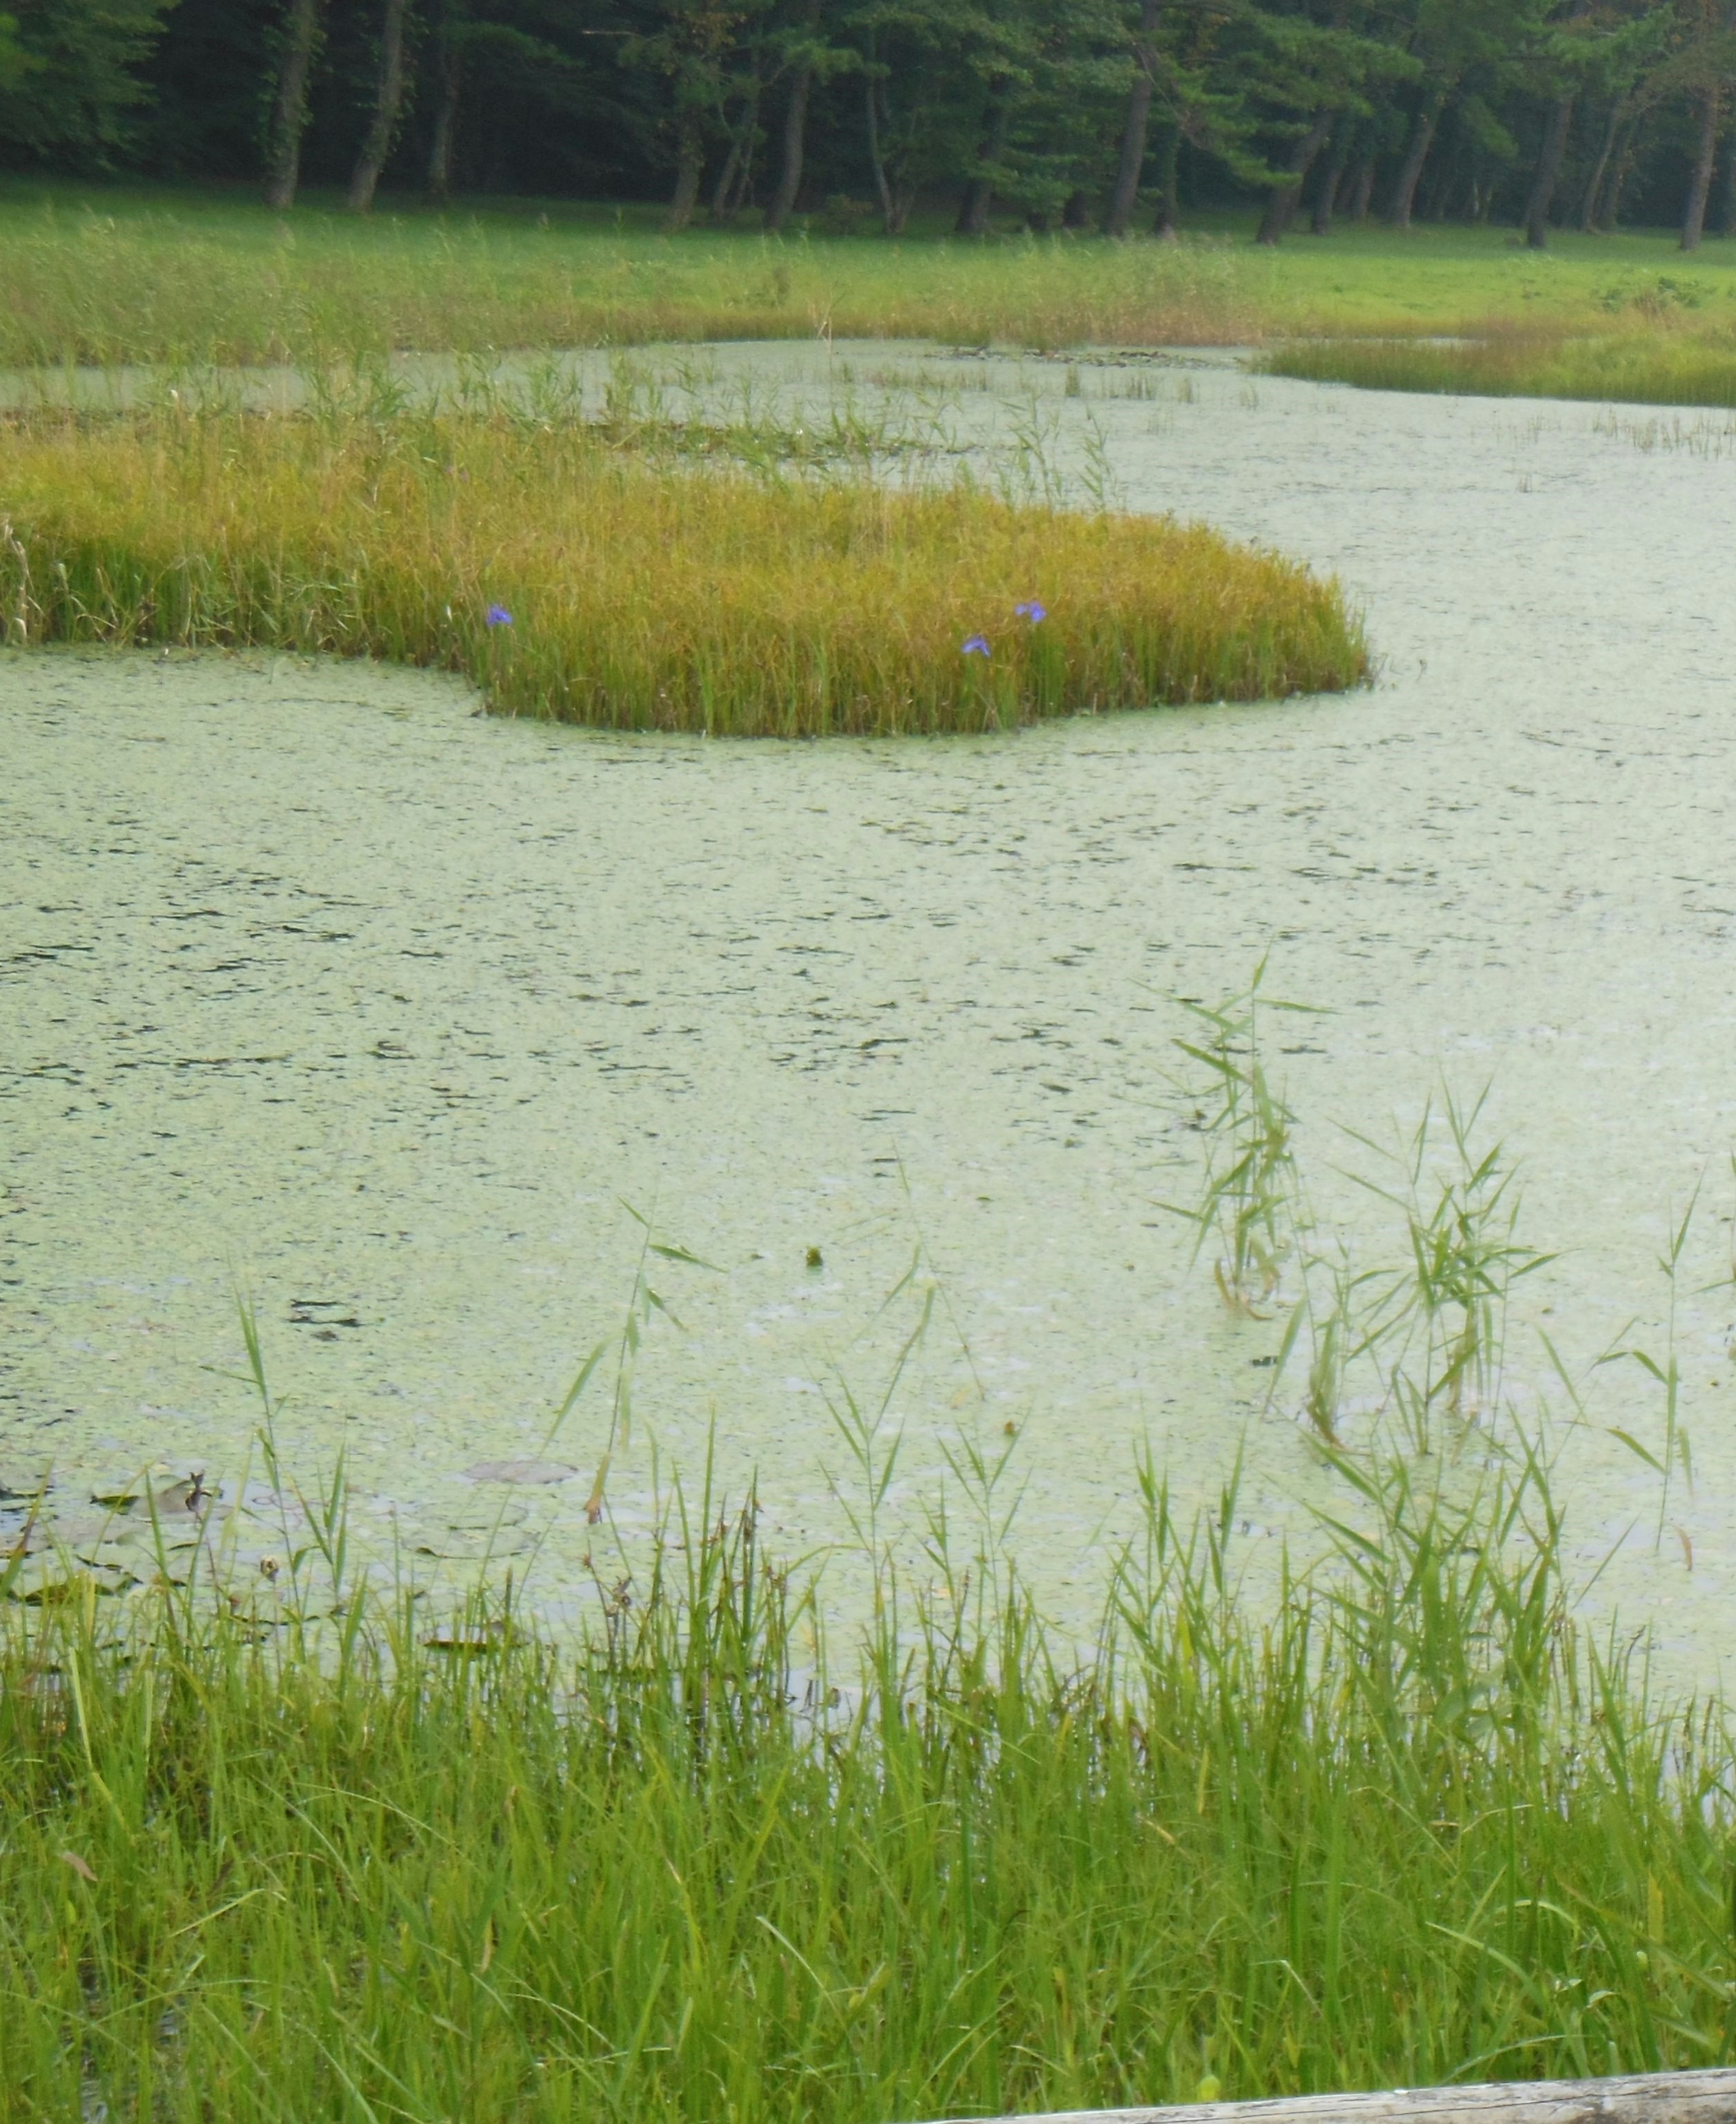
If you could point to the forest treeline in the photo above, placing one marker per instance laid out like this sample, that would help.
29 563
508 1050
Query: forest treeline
1112 115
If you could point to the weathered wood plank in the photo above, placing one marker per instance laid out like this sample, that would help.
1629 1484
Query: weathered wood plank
1654 2098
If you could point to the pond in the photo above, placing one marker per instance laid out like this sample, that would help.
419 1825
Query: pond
318 985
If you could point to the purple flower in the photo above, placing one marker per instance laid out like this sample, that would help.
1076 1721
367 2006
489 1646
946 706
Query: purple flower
498 616
1032 611
978 645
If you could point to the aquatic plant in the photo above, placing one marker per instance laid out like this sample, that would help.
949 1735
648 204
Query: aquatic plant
1640 363
1430 1330
1250 1199
574 577
302 1852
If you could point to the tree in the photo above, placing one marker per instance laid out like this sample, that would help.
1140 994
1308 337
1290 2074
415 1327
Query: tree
1203 71
807 53
448 47
527 71
1447 38
1136 126
1564 60
690 49
1702 66
388 105
1055 110
1314 66
70 77
302 23
919 99
14 61
1061 150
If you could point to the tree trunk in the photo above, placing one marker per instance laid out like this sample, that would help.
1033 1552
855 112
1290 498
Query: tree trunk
738 170
796 144
1549 163
896 200
1168 223
289 115
876 161
690 162
979 193
1125 192
1410 176
1076 210
1326 206
1432 193
443 138
1362 192
1281 208
388 103
973 208
1706 155
1610 213
1549 174
1594 183
1727 219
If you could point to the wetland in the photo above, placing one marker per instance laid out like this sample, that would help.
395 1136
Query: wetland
321 985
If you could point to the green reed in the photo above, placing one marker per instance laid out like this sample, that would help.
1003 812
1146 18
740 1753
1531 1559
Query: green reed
1249 1200
1693 364
1396 1820
292 1842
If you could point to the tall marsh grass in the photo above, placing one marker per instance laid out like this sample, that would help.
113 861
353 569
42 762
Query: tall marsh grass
573 577
277 1843
219 285
1406 1823
1638 366
110 275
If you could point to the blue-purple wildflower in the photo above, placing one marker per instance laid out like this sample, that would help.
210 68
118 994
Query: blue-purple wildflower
1032 611
977 645
498 616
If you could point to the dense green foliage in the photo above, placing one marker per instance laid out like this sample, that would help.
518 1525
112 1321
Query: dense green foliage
1393 1822
70 74
1082 114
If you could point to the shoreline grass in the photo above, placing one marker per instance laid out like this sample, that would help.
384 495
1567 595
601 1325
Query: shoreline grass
573 578
1657 367
280 1839
1405 1824
168 275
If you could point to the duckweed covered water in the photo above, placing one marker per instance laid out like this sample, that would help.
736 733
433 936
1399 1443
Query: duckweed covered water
317 983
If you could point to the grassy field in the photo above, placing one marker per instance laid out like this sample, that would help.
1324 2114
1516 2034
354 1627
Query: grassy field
1402 1825
575 571
130 275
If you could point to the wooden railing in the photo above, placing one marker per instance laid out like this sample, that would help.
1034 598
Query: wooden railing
1653 2098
